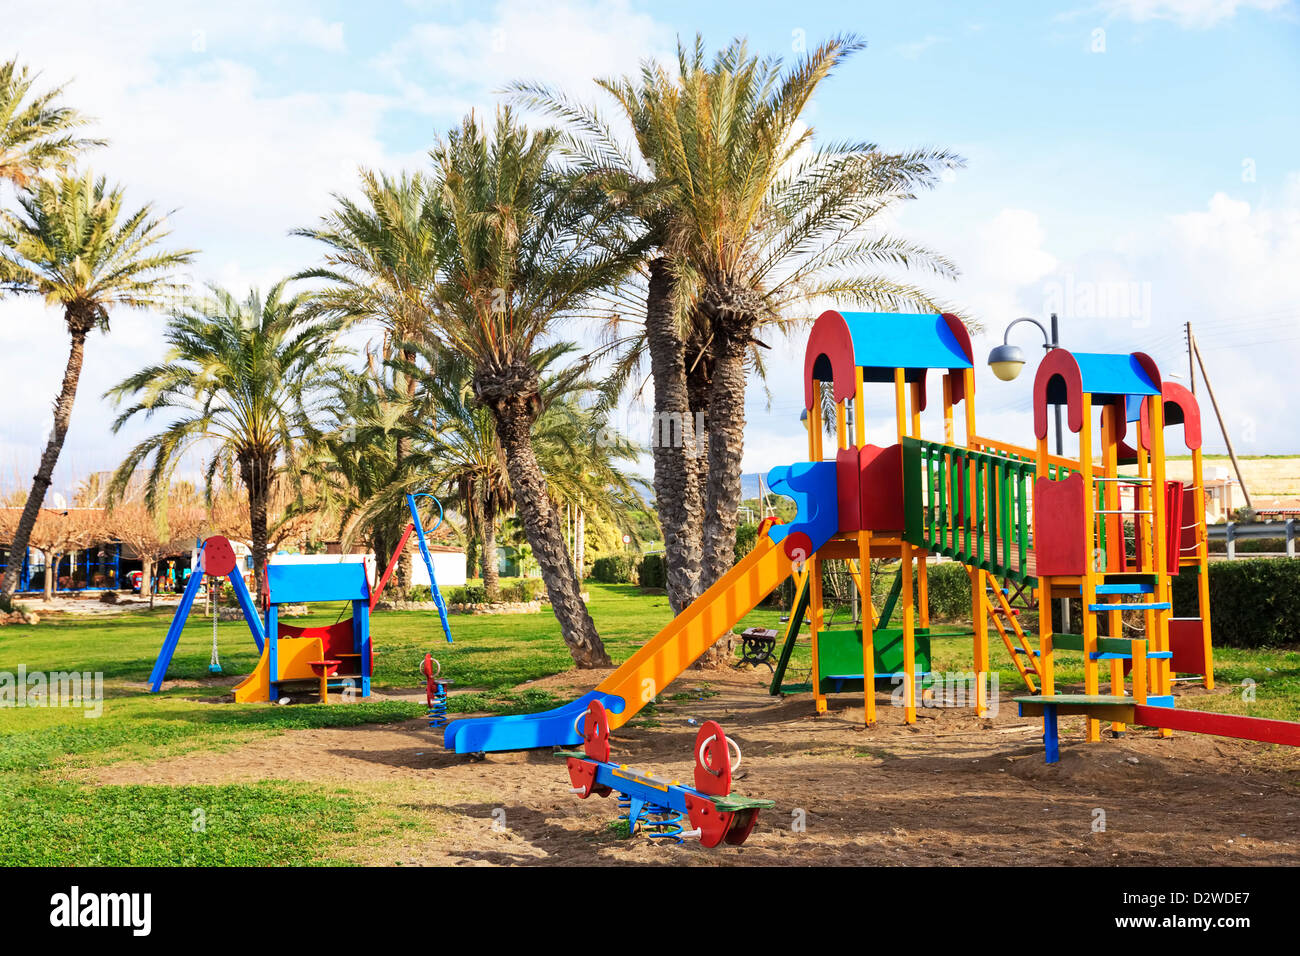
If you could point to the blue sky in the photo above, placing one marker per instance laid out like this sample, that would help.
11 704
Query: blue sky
1149 148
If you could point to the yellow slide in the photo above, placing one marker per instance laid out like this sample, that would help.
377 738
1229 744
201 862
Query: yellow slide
647 672
295 655
659 662
257 685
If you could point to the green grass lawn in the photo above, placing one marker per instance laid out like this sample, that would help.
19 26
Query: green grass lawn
48 815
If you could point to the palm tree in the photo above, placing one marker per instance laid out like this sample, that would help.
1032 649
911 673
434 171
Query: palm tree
71 243
524 246
36 133
757 226
380 258
354 465
455 451
248 383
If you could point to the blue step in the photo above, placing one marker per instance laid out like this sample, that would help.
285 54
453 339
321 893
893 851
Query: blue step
1139 587
1021 650
1159 606
1166 701
1153 656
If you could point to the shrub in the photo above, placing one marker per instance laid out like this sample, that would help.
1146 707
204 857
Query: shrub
746 538
949 591
653 572
522 591
421 592
614 569
1253 602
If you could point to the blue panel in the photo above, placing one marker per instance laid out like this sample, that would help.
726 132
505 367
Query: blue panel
890 340
301 583
1105 373
1166 701
524 731
1132 408
811 484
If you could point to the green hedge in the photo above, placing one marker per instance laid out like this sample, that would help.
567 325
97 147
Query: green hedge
614 569
653 572
1254 602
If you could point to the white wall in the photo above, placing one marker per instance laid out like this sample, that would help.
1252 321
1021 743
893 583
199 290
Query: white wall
448 567
367 559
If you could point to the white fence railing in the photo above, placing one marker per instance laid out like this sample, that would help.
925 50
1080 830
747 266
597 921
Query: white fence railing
1232 532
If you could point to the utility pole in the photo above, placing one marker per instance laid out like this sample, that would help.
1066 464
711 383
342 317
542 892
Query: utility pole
1196 350
1191 367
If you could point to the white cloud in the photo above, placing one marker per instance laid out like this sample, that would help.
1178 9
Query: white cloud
442 67
913 50
1192 14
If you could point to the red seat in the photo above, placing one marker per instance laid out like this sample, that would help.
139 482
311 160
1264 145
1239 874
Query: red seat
326 668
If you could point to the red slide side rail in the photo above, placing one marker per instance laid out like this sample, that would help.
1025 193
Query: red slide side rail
392 565
1220 725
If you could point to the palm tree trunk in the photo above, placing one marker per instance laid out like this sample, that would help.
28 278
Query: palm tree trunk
491 574
726 428
726 450
677 493
50 458
513 418
256 472
403 573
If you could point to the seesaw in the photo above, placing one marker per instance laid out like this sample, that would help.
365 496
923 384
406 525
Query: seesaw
658 805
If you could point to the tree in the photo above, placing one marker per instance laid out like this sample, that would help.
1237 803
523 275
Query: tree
756 227
247 382
71 243
354 468
133 523
523 246
457 452
36 132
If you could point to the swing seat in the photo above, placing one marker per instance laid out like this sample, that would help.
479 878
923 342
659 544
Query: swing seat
325 668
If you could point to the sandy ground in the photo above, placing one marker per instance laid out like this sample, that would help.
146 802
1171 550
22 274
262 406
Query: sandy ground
94 606
953 789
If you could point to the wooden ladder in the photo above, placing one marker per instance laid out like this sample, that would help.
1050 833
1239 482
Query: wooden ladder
1001 613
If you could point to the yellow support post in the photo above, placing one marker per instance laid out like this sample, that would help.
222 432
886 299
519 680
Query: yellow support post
980 618
868 627
1160 638
1045 658
900 403
816 618
909 636
1202 563
859 409
1139 672
1091 683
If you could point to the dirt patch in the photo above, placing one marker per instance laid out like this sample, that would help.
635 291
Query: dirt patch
952 789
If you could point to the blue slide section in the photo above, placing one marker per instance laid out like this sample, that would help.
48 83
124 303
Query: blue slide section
524 731
812 487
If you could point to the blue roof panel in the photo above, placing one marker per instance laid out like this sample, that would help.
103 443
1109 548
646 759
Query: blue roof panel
1106 373
899 340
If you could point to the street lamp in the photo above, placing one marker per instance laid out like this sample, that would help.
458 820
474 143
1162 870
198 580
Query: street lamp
1006 361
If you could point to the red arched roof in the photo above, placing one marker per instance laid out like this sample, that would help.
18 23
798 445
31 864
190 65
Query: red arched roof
1181 407
829 358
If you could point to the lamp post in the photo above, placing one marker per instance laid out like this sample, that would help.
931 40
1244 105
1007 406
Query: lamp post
1006 361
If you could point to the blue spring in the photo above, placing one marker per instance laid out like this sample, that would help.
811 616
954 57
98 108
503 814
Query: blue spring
663 824
625 809
438 712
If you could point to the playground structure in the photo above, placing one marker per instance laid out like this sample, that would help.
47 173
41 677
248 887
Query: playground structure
338 656
1029 527
659 806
